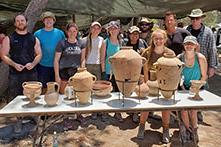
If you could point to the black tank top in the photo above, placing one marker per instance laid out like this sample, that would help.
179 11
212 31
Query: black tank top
22 49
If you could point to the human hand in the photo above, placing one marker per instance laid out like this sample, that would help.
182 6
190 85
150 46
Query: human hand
19 67
29 66
211 72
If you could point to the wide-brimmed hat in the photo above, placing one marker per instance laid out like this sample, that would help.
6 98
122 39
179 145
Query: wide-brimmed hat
197 13
191 39
134 29
144 19
95 23
47 14
115 24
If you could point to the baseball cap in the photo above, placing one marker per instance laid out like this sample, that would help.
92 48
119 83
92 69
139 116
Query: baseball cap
115 24
134 29
95 23
191 39
47 14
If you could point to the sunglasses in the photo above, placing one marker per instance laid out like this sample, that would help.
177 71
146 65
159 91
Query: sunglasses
145 24
195 18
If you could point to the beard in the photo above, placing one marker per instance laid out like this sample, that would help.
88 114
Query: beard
21 27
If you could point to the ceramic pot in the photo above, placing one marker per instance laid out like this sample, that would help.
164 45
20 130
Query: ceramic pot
69 92
126 65
141 89
153 88
168 71
52 94
82 80
83 97
102 88
195 88
32 90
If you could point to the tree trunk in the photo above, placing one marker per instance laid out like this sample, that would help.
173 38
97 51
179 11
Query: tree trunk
33 11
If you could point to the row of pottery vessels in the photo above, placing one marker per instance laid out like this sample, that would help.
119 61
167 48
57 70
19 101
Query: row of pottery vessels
33 89
126 65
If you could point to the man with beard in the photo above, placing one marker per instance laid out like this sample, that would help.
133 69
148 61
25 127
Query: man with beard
49 38
25 53
146 29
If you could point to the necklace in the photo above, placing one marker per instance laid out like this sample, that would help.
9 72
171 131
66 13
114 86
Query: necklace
189 62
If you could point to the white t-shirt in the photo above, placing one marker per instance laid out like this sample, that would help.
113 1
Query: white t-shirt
94 55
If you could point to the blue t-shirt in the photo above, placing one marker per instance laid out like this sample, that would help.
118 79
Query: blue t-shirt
49 41
111 49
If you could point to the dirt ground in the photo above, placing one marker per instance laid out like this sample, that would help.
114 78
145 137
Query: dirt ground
112 133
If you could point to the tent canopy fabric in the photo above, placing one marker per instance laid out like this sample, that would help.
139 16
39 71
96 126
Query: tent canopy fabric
118 8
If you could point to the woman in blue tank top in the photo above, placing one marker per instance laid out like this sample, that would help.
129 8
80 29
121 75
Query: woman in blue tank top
195 69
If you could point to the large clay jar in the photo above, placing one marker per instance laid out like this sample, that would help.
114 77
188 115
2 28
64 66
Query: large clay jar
32 90
168 69
126 65
52 94
82 80
141 89
83 97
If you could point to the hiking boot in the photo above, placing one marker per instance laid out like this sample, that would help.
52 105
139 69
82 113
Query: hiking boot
141 130
135 118
166 135
118 117
104 116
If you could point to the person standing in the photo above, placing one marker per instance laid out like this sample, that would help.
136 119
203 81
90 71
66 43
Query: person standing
49 38
25 53
145 26
205 38
175 34
195 68
156 50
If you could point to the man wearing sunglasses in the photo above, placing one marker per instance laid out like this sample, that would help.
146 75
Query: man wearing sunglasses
145 26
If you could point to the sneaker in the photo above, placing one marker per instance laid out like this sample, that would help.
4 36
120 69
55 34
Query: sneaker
135 118
166 135
118 117
141 130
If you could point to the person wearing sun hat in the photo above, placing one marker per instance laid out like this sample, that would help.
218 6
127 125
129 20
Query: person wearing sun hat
145 26
49 38
206 40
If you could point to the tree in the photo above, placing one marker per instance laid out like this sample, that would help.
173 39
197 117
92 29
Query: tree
33 12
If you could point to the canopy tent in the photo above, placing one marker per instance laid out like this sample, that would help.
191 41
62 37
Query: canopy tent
119 8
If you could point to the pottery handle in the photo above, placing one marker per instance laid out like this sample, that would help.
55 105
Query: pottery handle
155 65
110 60
143 60
94 78
56 87
23 84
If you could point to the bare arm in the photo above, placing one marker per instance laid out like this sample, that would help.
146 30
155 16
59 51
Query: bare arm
102 56
38 56
4 55
145 71
83 57
203 66
56 66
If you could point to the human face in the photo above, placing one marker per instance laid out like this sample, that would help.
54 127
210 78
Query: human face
144 27
72 32
159 39
114 31
48 22
189 46
170 22
95 30
134 36
20 23
196 22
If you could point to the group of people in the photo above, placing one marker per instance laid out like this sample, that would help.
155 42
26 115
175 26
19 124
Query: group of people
47 55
